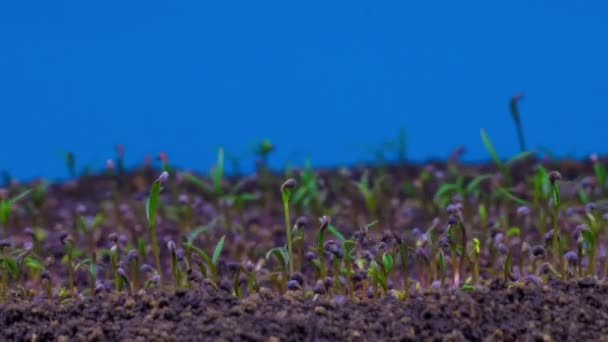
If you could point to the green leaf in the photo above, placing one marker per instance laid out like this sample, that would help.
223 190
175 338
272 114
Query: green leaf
336 233
588 238
203 256
97 221
11 265
33 263
192 179
475 182
218 172
476 246
152 204
513 231
280 254
519 156
467 287
490 148
387 262
443 193
199 230
217 251
504 192
20 196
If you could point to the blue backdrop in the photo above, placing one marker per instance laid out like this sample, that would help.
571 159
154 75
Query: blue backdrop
319 78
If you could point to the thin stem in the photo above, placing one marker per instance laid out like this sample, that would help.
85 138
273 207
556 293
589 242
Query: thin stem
288 230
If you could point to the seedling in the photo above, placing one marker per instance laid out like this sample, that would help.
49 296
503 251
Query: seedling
6 206
151 211
503 167
554 178
513 106
286 190
210 267
600 173
68 244
70 163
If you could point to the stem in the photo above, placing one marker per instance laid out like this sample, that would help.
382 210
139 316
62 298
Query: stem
70 270
557 253
288 230
156 252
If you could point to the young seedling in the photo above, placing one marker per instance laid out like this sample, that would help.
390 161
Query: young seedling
554 178
600 173
324 221
70 163
286 190
210 268
282 257
151 212
68 244
513 106
6 206
503 167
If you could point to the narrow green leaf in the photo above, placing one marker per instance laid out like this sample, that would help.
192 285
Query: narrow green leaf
280 254
152 204
476 246
217 251
490 148
336 233
504 192
475 182
387 262
11 265
519 156
513 231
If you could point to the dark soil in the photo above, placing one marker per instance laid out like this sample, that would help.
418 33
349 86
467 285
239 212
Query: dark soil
576 311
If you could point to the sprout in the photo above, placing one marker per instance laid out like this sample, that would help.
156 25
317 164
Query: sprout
286 190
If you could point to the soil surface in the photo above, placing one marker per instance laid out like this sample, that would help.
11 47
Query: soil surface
575 311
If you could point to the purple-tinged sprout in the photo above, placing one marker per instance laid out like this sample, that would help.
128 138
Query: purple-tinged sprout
162 179
454 209
538 251
113 238
194 276
554 176
548 237
155 279
65 238
171 246
594 158
45 275
297 276
324 220
249 266
523 211
370 292
123 240
571 257
183 199
310 256
225 285
503 249
590 207
588 182
5 243
293 285
132 255
533 279
28 246
289 184
29 232
452 220
147 268
328 282
81 209
436 285
180 254
100 287
233 266
319 288
358 276
301 222
121 272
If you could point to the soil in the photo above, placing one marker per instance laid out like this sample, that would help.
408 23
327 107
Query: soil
574 311
533 306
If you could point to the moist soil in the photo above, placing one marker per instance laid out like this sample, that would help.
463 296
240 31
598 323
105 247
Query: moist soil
574 311
529 309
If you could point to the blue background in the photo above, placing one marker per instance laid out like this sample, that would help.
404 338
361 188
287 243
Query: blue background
319 78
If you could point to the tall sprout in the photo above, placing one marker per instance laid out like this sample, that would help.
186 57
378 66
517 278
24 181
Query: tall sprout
286 189
151 211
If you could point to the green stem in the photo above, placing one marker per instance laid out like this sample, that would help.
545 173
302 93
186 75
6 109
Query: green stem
288 231
156 252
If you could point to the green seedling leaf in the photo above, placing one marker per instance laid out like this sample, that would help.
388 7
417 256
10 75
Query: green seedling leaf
507 194
280 254
336 233
519 156
588 238
467 287
387 263
33 263
490 148
444 192
217 251
152 203
476 246
475 182
192 179
513 231
218 172
582 196
199 230
11 266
